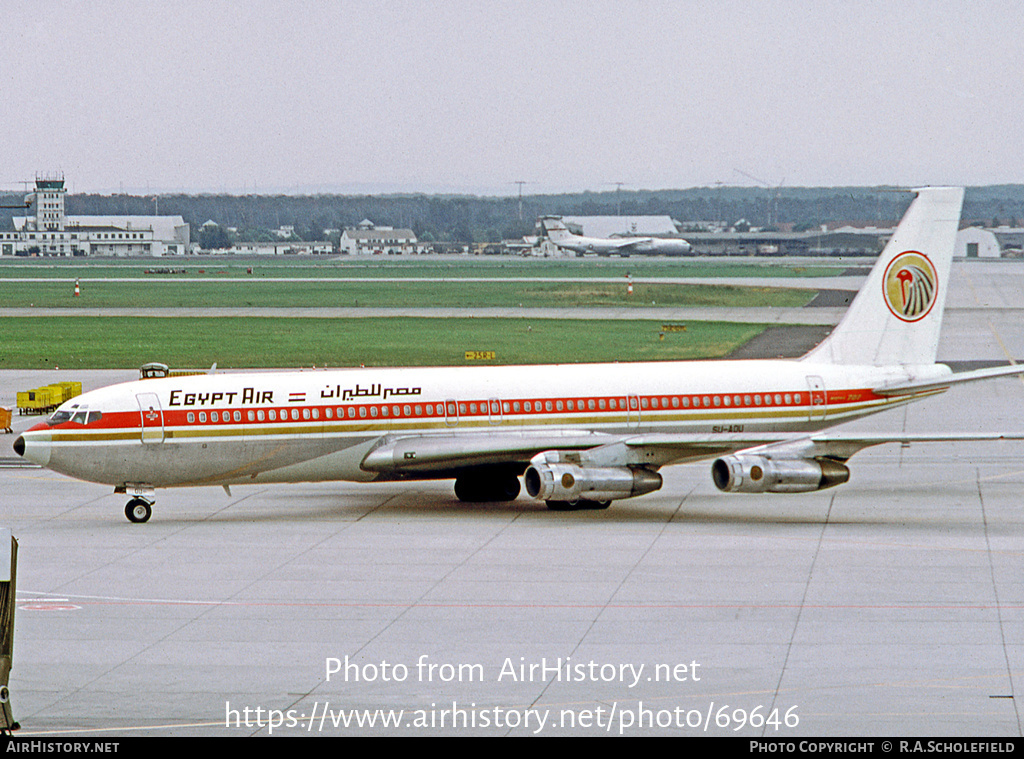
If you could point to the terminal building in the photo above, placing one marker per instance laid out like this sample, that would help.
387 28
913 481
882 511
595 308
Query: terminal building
50 232
370 239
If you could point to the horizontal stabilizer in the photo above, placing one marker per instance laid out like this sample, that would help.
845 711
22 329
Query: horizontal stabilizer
912 388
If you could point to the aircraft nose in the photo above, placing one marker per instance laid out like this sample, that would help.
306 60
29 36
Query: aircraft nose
34 448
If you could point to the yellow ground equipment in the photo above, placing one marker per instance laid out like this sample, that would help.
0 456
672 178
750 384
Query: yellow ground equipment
42 400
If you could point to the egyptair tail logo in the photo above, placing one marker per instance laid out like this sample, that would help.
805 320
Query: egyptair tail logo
910 286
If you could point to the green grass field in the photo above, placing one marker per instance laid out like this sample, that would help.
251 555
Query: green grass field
454 267
235 342
412 294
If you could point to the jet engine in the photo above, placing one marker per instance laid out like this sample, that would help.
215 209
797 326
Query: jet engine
557 481
761 474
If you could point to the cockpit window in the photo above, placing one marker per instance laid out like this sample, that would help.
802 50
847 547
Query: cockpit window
74 414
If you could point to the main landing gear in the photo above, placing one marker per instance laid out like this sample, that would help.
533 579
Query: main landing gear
580 505
487 485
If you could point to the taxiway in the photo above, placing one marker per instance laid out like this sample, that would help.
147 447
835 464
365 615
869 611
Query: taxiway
892 605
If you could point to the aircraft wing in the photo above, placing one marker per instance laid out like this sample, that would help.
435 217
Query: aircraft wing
421 454
629 242
431 453
910 388
837 445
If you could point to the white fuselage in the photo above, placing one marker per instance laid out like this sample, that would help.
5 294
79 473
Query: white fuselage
322 425
624 246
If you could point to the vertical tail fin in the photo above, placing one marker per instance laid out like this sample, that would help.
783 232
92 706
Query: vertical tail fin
896 316
555 229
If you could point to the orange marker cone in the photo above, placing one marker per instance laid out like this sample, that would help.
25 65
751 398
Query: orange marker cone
78 290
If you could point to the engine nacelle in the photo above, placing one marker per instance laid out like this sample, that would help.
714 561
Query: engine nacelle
556 481
760 474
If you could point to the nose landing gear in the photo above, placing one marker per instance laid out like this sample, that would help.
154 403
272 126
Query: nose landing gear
138 510
140 507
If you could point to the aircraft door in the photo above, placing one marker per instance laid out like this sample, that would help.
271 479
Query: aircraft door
152 416
819 401
633 412
494 411
451 412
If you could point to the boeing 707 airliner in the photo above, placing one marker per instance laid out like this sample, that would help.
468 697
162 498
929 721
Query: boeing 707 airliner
579 436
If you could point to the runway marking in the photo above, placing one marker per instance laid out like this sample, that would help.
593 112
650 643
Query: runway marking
120 729
800 610
995 594
48 607
992 326
651 542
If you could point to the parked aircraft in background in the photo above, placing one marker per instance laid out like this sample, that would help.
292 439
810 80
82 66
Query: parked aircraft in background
556 231
581 436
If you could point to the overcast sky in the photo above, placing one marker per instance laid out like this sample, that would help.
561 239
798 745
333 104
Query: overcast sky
472 96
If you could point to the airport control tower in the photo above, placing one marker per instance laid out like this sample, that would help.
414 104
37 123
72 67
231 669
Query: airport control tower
48 200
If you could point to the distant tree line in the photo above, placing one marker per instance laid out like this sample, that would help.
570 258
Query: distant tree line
442 218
